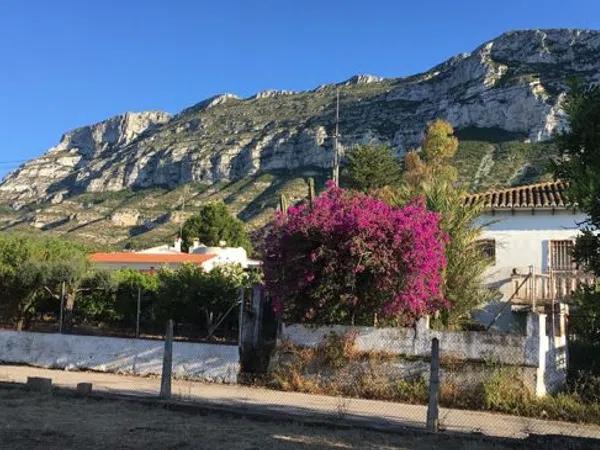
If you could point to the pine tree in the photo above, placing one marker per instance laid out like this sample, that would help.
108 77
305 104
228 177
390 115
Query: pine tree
372 167
214 224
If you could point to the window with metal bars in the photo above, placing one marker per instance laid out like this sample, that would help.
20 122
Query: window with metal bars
561 255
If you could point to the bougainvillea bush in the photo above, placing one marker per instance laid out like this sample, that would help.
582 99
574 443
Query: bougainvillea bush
353 259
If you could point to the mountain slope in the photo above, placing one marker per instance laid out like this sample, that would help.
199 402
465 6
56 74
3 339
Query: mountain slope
504 98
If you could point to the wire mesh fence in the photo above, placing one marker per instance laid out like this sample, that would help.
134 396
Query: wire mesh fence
508 384
134 313
498 383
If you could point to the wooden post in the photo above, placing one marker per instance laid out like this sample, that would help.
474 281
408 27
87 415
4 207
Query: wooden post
434 387
532 280
258 331
311 191
137 316
165 382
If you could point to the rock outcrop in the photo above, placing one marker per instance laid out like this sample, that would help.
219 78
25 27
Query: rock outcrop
513 84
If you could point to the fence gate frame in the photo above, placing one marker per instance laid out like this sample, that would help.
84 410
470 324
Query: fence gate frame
258 330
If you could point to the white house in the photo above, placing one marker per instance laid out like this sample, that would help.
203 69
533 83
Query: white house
165 248
152 259
528 233
223 255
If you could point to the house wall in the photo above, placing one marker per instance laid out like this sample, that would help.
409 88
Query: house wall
223 255
522 239
468 345
538 359
196 361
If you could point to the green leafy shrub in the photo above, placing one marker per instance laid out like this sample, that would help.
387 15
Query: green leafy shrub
191 295
33 270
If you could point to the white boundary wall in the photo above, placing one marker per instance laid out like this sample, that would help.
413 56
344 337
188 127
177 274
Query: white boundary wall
545 355
195 361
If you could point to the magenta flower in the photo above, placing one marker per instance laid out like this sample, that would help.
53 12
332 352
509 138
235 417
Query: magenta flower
352 257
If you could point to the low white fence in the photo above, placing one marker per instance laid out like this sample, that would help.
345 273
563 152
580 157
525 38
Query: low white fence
195 361
542 358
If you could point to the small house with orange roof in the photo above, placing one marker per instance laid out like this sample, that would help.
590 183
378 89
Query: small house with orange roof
167 256
148 262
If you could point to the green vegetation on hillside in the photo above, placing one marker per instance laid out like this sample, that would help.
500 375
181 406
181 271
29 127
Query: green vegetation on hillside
486 158
481 164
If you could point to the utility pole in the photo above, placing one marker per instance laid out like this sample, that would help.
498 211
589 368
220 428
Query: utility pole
185 191
336 155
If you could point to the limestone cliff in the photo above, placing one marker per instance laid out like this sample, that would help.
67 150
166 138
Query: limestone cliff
513 84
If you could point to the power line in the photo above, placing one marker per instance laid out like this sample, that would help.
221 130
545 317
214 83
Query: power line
16 161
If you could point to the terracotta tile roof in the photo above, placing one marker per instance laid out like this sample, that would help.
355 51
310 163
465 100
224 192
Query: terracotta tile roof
549 195
149 258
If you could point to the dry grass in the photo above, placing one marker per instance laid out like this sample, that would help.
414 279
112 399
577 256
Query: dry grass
37 421
337 368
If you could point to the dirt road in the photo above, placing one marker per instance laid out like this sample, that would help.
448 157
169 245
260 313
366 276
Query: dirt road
299 404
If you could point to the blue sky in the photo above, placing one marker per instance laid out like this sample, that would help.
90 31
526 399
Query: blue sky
70 63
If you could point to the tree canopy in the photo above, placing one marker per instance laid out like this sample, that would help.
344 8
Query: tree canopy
214 224
31 268
191 295
429 174
580 166
579 146
372 167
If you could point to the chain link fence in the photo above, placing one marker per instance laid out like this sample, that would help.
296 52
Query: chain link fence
130 313
538 381
505 384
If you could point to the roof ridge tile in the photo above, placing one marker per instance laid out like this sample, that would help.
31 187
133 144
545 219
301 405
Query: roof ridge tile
545 194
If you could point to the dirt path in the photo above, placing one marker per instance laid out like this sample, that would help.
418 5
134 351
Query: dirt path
35 421
308 405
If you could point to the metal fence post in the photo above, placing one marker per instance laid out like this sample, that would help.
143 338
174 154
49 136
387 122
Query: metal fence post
434 387
63 293
137 315
165 382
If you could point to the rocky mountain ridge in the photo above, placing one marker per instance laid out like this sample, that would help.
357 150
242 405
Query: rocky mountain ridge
503 98
513 83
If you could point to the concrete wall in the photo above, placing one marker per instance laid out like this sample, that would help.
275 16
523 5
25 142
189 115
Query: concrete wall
551 370
197 361
468 345
538 357
522 240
